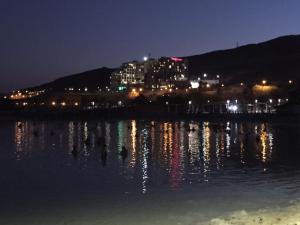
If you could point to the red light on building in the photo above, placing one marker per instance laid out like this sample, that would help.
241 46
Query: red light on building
176 59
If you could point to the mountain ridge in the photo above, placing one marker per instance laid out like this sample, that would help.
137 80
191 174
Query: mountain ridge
277 59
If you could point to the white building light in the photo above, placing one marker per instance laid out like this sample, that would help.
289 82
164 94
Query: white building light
195 84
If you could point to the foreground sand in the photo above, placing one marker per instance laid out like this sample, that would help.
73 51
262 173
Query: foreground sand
278 216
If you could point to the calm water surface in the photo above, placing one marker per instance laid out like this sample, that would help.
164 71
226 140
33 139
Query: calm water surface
176 172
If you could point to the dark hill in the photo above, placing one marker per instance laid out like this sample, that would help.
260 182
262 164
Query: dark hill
91 79
277 59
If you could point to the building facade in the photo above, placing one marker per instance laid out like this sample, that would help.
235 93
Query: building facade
151 73
166 72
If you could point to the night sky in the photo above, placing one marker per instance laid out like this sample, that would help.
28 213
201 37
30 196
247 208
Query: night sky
45 39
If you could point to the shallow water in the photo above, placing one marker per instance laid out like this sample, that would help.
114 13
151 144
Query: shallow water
176 172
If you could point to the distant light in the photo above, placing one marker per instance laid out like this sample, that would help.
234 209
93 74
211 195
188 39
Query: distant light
76 104
121 88
256 100
264 82
242 84
133 90
190 102
195 84
176 59
208 101
228 101
167 103
236 100
141 89
145 58
53 103
290 81
85 89
287 99
205 75
234 108
279 100
222 85
218 76
93 103
270 100
119 103
207 85
63 104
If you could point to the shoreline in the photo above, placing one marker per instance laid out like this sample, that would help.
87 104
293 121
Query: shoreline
134 114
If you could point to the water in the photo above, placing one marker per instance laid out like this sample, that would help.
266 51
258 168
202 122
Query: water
176 172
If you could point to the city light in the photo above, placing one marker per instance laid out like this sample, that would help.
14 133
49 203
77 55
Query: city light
63 104
76 104
290 81
205 75
176 59
195 84
145 58
233 108
264 82
242 84
190 102
53 103
207 85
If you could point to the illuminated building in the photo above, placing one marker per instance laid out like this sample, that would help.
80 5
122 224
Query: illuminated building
131 73
166 72
209 80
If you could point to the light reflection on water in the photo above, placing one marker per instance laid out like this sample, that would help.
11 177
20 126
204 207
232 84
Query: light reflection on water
185 150
206 160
